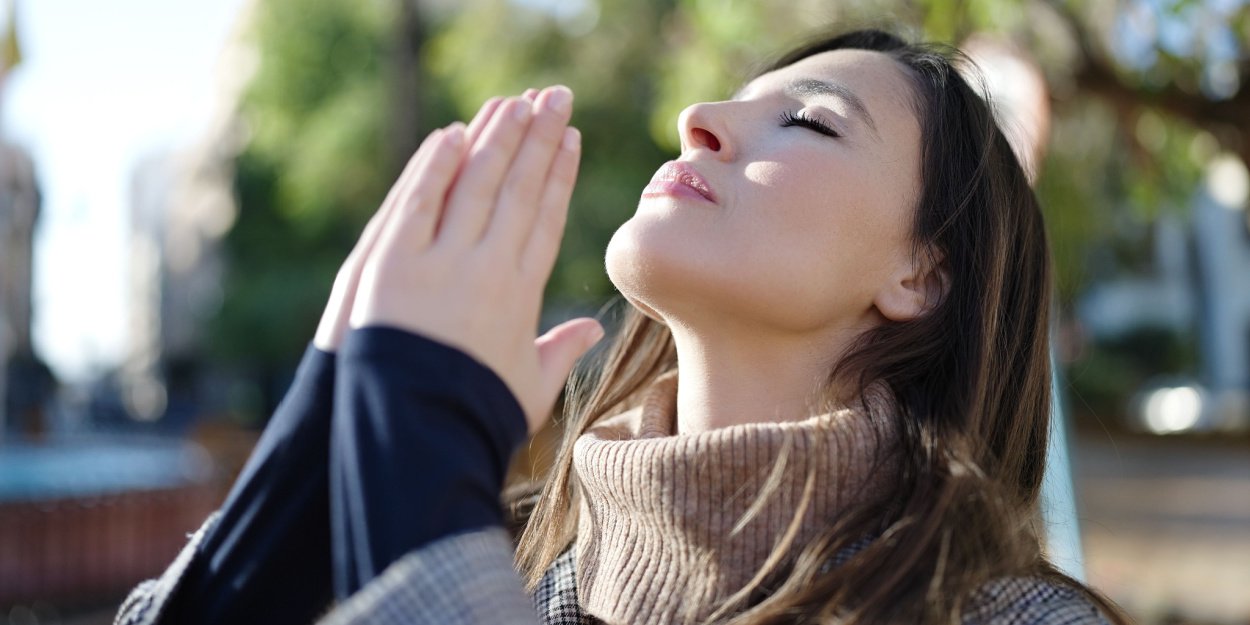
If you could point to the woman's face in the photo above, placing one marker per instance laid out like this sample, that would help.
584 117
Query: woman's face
790 206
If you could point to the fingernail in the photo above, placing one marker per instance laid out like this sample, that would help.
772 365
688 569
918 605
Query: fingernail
455 132
520 110
560 99
572 138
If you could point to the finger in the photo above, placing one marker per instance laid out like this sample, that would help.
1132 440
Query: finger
402 193
558 350
488 109
540 251
518 203
480 120
334 320
398 189
473 198
411 227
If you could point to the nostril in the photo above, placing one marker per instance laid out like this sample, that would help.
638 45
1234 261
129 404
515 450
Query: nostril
706 138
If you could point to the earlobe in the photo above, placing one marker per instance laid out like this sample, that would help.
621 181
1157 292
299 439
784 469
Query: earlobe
917 291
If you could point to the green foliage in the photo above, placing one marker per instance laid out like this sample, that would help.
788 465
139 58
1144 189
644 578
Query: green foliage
314 105
312 172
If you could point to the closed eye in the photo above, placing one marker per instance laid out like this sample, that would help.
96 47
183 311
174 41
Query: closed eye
790 118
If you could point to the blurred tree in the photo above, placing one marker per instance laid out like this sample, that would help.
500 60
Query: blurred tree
334 109
1144 93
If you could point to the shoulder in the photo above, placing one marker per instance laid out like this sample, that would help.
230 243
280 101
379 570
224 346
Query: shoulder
463 579
1031 601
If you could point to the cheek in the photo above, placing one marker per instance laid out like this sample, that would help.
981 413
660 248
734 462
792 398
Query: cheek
793 198
652 253
822 215
828 232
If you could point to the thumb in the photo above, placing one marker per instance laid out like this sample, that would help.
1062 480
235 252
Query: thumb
560 348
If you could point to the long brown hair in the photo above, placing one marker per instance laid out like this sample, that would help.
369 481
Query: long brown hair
970 381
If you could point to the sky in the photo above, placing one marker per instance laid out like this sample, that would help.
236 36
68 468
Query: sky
100 86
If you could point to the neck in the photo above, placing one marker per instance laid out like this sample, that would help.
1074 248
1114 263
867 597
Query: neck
729 378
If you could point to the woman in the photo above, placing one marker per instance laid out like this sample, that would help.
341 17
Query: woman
828 402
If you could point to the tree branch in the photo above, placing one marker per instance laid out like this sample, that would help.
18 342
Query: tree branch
1096 75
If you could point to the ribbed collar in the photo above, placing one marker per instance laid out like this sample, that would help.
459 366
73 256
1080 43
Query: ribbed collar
655 540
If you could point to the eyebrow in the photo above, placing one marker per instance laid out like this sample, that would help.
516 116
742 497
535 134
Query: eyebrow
811 86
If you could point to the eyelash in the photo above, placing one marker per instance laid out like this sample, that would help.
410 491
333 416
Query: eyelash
790 118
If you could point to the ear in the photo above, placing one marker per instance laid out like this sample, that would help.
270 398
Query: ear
918 286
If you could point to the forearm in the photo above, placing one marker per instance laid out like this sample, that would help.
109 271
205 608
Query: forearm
267 556
422 435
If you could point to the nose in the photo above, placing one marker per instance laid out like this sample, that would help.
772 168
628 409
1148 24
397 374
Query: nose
702 126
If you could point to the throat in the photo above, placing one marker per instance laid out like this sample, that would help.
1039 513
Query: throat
723 384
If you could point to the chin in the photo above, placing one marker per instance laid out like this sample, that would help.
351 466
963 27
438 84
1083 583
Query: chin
627 269
663 274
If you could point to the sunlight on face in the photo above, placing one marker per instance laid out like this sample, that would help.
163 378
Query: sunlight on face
790 208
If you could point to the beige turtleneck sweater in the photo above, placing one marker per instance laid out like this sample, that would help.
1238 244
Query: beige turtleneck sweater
656 539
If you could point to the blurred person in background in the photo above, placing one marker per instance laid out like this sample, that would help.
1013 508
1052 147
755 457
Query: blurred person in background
828 400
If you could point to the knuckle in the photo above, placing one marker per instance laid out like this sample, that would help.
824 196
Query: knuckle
518 189
489 157
548 128
423 196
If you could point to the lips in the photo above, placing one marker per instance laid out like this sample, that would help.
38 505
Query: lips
677 178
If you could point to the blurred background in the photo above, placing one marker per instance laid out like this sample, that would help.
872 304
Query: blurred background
179 181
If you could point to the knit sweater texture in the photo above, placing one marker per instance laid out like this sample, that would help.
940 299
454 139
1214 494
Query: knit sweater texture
673 525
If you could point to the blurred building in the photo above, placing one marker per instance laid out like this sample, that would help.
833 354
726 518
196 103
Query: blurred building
19 209
25 382
182 205
181 208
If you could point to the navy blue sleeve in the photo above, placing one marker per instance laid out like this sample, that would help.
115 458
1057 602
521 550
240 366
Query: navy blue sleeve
422 436
267 559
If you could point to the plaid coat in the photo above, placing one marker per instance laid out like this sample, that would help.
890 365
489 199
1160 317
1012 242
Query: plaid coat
1013 601
468 579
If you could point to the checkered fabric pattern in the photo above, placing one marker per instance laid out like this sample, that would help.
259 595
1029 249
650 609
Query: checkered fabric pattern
1030 601
555 598
468 579
465 579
